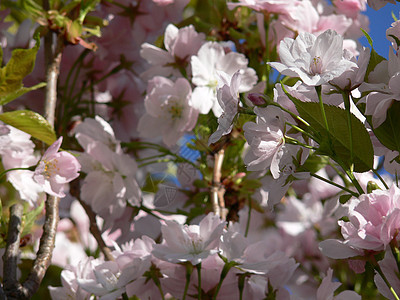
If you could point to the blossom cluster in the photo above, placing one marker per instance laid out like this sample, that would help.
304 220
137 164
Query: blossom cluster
207 150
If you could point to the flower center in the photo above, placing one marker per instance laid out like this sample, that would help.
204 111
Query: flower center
50 168
175 110
316 65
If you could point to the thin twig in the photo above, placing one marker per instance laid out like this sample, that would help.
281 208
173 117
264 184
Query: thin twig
10 258
52 73
217 189
95 231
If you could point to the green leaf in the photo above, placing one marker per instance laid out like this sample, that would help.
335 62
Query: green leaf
374 60
314 163
375 57
19 92
368 37
344 198
22 62
337 146
32 123
388 132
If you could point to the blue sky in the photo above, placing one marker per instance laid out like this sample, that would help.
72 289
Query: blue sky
379 21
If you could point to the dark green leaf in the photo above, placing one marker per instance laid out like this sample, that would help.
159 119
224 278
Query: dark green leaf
32 123
344 198
337 143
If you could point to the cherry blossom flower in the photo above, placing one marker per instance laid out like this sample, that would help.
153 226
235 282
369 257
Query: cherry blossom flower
181 44
17 151
390 269
55 169
210 60
374 220
306 18
350 8
168 111
256 258
110 182
96 129
354 77
393 33
228 99
316 60
272 6
383 87
105 283
327 288
299 216
190 243
266 139
70 276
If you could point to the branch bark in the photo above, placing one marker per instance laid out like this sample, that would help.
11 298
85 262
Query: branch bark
45 252
10 257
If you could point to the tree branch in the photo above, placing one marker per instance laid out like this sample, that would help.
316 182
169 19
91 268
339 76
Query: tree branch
47 241
95 231
44 254
10 257
52 73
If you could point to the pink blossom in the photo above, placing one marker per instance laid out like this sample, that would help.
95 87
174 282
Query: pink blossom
316 60
392 33
374 220
299 216
168 111
163 2
327 288
206 65
383 88
256 258
271 6
110 182
17 151
266 139
228 99
306 18
180 45
390 269
191 243
55 169
354 77
350 8
70 276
